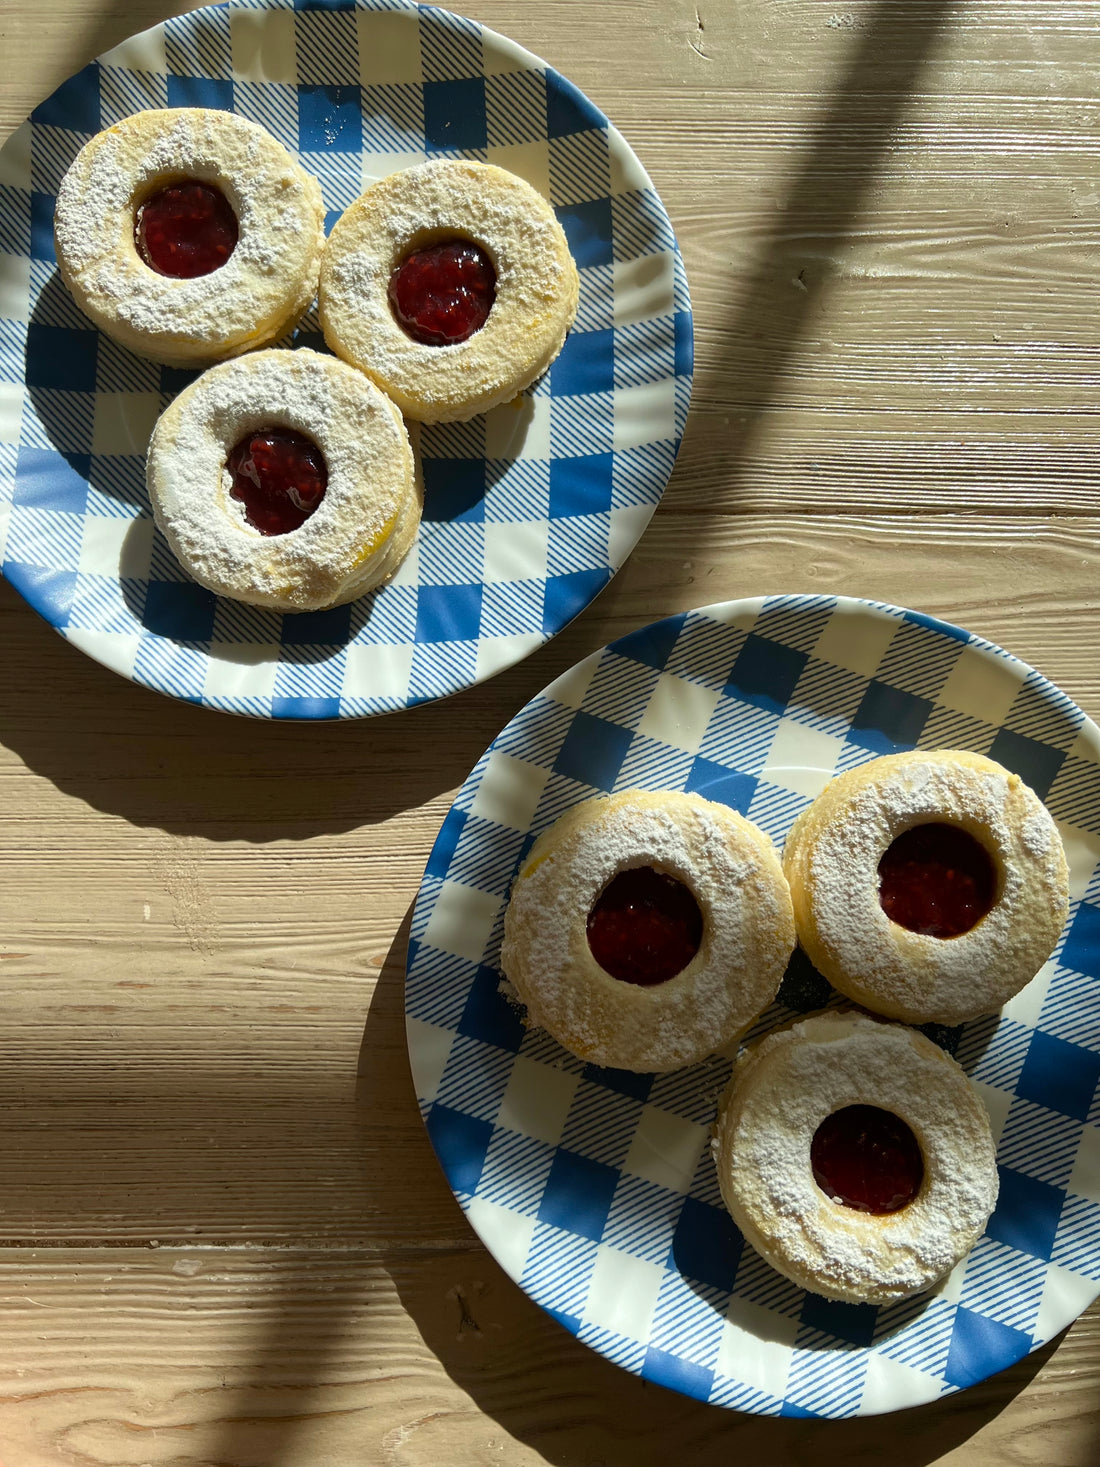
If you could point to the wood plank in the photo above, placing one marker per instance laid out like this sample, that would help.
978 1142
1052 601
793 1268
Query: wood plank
848 460
210 1356
236 1050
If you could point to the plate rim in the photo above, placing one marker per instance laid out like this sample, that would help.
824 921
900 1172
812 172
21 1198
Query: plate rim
113 656
728 611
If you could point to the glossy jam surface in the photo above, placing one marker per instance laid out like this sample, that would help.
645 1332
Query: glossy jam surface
279 476
185 230
645 927
867 1158
936 879
443 294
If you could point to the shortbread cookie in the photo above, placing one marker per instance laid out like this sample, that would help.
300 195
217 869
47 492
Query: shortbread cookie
189 235
928 886
451 285
856 1157
285 479
647 930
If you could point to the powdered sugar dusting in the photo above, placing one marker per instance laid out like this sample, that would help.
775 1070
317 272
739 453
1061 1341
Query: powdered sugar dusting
748 929
536 286
1038 833
268 280
781 1092
832 860
366 451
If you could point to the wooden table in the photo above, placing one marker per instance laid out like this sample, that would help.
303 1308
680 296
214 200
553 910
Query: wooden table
225 1237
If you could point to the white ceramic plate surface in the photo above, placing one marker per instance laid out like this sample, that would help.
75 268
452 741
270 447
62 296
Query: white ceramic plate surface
595 1189
529 509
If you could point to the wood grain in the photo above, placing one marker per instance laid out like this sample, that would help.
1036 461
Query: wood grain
224 1239
205 1357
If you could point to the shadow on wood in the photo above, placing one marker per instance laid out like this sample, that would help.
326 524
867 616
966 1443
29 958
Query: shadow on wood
777 305
573 1408
191 771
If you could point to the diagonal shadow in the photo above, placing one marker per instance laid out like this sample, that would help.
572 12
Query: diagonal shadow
826 200
607 1414
518 1375
828 196
277 1415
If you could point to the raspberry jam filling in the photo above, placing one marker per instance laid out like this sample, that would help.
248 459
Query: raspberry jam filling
645 927
936 879
185 230
279 476
867 1158
443 294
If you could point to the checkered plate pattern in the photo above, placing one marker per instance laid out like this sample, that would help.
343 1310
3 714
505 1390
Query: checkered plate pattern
529 509
594 1188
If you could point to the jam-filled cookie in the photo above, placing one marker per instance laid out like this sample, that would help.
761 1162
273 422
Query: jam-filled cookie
856 1157
189 235
285 479
451 285
646 930
928 886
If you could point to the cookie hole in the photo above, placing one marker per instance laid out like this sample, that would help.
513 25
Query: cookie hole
867 1159
645 927
441 292
937 879
279 477
185 229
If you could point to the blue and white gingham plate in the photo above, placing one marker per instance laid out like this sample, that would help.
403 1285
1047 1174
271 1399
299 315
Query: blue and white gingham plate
529 509
594 1188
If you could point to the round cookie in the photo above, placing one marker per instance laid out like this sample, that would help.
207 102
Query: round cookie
832 861
782 1091
356 536
745 934
266 283
536 287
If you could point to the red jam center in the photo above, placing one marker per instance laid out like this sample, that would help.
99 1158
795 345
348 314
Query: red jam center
185 230
936 879
645 927
279 476
867 1158
444 293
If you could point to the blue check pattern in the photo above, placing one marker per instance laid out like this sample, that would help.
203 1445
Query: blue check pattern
595 1188
529 510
